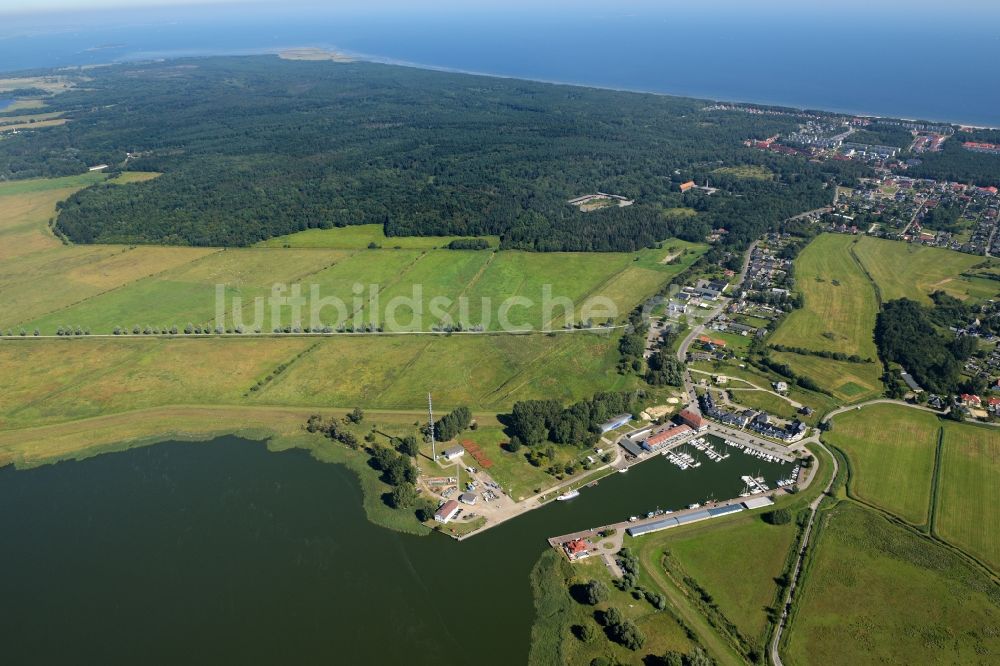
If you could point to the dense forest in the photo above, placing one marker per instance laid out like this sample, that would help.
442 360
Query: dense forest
257 147
955 162
906 334
534 422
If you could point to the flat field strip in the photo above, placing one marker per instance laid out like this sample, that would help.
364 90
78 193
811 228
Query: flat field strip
891 449
968 511
52 381
902 270
876 592
840 302
849 382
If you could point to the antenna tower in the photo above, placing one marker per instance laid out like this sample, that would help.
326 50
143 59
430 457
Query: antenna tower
430 425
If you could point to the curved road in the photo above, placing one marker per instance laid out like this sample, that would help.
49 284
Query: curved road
813 508
880 401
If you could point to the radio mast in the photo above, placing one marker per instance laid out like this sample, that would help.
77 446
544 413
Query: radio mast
430 425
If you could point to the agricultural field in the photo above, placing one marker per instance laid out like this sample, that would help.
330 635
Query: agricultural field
840 302
875 591
902 270
23 105
50 381
969 491
26 118
127 177
557 612
117 286
716 556
359 236
848 382
891 451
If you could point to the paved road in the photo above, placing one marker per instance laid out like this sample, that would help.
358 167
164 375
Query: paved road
698 330
880 401
753 387
813 507
160 336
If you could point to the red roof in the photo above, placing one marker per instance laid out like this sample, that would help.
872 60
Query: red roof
970 398
446 509
667 434
575 547
692 419
994 402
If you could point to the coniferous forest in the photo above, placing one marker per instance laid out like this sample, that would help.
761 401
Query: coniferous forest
256 147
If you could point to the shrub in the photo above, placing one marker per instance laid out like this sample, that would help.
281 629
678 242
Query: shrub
777 517
595 592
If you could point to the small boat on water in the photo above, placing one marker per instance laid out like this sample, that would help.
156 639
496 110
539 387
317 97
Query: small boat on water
568 496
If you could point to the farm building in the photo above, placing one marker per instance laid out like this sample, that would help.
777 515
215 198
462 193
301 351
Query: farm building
467 498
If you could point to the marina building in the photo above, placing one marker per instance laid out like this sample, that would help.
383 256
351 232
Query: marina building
447 511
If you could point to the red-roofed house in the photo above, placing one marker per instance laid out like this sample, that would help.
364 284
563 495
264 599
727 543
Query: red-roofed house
576 549
687 186
970 400
692 420
993 403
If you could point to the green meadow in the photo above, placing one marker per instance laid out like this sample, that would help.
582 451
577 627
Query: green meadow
877 592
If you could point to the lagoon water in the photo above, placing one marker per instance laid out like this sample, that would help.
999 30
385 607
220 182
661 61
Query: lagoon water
895 57
225 552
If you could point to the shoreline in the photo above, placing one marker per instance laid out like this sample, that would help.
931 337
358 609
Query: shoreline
358 56
385 60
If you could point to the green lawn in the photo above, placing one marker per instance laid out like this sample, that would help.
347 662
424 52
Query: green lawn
969 494
891 451
736 561
876 592
840 302
914 271
819 402
849 382
518 478
768 402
